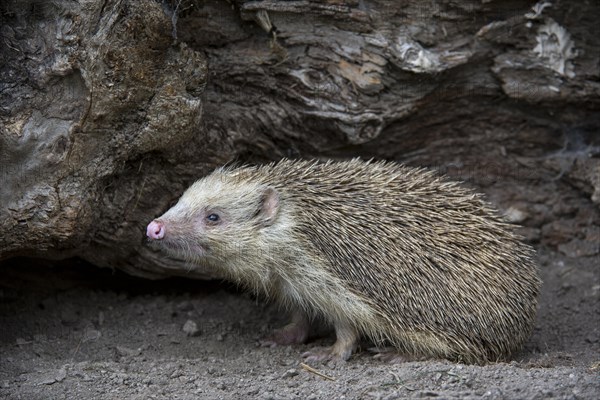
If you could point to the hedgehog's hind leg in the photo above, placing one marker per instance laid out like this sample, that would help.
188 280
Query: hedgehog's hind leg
346 343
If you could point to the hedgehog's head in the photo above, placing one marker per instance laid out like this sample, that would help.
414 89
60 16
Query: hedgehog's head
220 220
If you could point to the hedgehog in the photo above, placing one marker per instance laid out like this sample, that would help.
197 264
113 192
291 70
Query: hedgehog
399 255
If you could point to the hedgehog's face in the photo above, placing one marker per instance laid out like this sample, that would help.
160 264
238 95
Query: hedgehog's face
218 220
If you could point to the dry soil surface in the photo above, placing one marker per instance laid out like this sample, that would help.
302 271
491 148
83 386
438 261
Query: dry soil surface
76 332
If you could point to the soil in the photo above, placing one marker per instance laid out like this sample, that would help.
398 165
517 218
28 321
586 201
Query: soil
71 331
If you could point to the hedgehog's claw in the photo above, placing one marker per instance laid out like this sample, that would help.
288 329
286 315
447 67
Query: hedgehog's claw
323 354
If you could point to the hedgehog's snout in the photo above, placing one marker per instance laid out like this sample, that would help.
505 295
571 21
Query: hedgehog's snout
155 230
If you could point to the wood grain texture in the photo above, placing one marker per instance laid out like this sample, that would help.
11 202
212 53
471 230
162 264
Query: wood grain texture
110 109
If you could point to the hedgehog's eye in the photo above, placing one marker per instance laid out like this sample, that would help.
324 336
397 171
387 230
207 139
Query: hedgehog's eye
213 217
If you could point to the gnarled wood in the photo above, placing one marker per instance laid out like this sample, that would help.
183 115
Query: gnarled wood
108 110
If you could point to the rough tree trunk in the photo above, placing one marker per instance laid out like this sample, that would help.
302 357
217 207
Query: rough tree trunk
109 109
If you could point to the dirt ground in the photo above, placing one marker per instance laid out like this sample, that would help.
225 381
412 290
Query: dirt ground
77 332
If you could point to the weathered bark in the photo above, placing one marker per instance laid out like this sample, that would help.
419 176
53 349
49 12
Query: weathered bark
109 110
90 91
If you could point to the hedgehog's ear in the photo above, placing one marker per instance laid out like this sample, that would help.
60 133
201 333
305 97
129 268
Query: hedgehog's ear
269 206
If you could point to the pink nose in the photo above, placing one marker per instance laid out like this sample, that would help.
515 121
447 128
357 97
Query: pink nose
155 230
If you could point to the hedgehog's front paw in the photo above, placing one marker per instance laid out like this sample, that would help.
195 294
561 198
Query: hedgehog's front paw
323 354
318 354
342 349
295 332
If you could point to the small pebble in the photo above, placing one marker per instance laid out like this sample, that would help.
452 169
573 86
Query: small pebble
289 373
127 352
91 335
191 328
